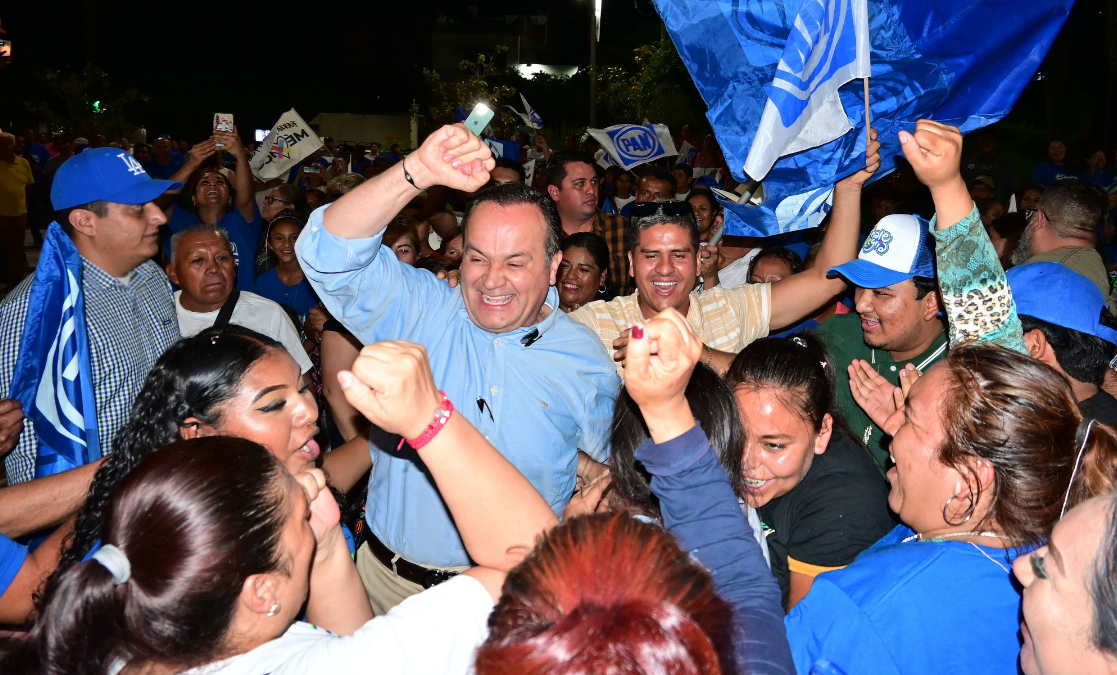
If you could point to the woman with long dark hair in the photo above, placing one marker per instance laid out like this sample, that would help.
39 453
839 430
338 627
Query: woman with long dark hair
210 553
223 381
818 493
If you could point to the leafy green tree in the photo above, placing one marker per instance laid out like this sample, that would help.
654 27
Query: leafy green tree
85 102
479 83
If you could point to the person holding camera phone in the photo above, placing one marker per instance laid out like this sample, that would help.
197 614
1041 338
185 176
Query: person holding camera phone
218 202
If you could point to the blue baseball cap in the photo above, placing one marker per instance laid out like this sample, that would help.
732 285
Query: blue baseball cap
1057 294
105 174
898 248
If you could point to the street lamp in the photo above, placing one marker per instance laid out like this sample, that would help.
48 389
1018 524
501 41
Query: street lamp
595 37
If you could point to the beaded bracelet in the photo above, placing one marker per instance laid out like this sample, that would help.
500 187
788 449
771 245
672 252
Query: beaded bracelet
441 417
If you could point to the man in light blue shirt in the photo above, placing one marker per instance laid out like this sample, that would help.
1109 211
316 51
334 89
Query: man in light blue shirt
536 384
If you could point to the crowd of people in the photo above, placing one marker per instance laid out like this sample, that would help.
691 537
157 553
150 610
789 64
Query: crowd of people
443 413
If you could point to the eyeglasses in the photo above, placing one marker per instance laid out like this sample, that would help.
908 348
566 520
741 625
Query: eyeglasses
271 200
648 209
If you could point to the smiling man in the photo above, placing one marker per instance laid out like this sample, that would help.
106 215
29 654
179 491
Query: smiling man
572 184
537 385
202 264
896 317
105 204
663 254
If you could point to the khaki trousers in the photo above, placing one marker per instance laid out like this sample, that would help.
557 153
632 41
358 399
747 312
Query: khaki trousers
385 590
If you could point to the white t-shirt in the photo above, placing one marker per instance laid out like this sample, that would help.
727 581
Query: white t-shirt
736 273
622 202
252 311
436 632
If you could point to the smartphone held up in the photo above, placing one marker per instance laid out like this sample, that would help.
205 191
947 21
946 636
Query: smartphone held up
223 122
479 119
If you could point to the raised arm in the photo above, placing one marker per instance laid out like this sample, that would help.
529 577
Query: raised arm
696 498
198 154
246 188
451 156
804 293
973 286
497 511
337 600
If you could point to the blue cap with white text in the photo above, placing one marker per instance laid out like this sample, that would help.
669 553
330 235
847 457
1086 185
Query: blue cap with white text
105 174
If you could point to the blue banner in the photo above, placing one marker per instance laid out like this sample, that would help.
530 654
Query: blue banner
963 64
52 378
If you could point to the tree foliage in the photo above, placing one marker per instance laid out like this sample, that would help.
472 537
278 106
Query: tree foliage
479 83
657 86
85 102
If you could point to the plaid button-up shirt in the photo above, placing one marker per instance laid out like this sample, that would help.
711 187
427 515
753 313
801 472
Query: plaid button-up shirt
128 324
613 229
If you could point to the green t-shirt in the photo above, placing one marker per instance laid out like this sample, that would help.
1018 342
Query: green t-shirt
845 342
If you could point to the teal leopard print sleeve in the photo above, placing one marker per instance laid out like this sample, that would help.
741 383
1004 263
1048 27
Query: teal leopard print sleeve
974 288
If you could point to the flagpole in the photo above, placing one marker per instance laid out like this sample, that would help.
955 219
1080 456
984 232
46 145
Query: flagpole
868 121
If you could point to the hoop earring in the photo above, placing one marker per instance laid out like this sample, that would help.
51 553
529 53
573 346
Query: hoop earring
274 609
947 506
601 290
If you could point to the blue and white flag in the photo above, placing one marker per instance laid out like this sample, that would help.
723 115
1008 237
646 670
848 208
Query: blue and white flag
828 46
960 63
502 148
529 116
629 145
532 118
52 377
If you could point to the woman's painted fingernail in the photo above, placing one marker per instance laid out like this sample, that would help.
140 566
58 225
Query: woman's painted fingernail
637 332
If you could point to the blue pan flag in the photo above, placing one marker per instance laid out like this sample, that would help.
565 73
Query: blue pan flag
963 64
52 377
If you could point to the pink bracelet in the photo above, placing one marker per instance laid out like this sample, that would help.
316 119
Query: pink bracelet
441 417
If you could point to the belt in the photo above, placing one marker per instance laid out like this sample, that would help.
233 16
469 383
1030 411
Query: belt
404 568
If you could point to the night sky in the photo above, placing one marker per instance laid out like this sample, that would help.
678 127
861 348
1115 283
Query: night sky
258 59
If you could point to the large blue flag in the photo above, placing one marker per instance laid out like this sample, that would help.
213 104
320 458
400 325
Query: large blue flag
828 46
961 63
52 377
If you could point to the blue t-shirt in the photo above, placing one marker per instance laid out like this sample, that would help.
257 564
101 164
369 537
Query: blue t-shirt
12 556
163 171
243 235
1103 178
300 297
915 608
1047 173
38 152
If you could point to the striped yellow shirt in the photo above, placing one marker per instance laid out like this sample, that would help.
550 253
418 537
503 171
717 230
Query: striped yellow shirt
726 319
